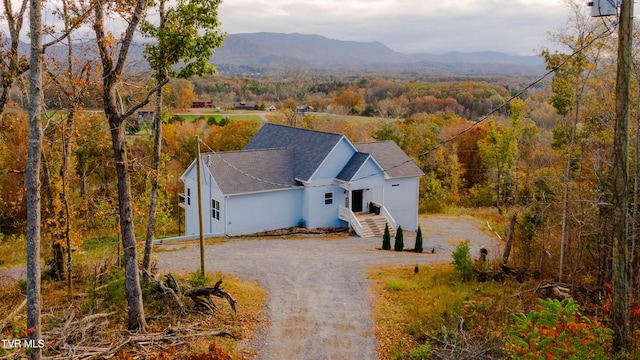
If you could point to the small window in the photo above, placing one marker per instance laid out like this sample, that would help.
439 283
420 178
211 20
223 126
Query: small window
215 209
188 196
328 198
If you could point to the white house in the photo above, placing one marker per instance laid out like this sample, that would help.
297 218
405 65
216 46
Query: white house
288 176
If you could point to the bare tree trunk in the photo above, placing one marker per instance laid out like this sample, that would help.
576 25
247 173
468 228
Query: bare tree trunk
67 132
633 255
620 302
510 234
67 135
110 76
161 75
33 178
132 278
498 193
155 167
52 214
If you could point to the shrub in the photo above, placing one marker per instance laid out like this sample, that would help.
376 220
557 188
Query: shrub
422 352
211 120
556 331
198 279
418 246
386 238
462 261
399 244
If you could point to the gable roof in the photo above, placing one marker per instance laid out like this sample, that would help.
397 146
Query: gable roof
392 159
352 167
310 147
238 172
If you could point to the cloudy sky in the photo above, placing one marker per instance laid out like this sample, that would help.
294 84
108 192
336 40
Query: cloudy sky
408 26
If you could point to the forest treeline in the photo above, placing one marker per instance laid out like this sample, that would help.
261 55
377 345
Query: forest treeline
541 159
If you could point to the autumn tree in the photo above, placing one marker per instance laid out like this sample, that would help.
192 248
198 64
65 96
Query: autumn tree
349 100
12 64
180 94
187 33
113 65
71 78
499 151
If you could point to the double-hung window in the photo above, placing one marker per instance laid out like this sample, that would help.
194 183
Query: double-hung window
328 198
215 209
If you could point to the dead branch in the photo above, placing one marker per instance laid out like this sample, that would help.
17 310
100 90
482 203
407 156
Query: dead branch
456 351
202 296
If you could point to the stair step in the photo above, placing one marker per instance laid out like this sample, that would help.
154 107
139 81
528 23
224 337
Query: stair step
373 226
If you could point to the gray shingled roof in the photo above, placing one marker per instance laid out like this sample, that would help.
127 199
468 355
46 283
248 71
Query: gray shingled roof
352 167
238 172
310 147
392 159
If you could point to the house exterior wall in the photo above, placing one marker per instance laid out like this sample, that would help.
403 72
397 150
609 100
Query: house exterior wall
401 199
251 213
370 179
317 213
335 161
210 191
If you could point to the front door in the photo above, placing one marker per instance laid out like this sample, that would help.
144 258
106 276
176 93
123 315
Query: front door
356 202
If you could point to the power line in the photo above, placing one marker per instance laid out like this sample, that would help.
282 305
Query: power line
607 32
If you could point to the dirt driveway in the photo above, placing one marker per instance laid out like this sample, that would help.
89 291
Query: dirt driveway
318 304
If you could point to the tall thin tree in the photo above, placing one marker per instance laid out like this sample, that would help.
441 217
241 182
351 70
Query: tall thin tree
187 33
33 176
112 69
620 302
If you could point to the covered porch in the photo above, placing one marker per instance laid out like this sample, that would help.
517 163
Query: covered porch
363 210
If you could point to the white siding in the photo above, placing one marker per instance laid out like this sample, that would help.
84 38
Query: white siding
335 161
251 213
317 213
401 199
210 190
368 176
190 201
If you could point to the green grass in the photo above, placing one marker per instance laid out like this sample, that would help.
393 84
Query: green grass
352 118
233 117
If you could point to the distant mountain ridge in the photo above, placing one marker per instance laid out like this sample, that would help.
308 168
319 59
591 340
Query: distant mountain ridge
277 50
264 51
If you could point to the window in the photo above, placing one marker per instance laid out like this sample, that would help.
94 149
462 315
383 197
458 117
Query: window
328 198
215 209
188 196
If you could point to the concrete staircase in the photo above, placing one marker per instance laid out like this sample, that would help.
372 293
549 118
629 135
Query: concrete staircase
373 225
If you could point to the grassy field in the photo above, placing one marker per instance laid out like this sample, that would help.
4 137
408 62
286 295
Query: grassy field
218 117
355 119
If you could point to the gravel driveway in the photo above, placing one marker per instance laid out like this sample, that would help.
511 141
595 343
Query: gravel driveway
318 304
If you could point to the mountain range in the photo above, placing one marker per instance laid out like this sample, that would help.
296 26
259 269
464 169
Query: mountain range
256 53
263 51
